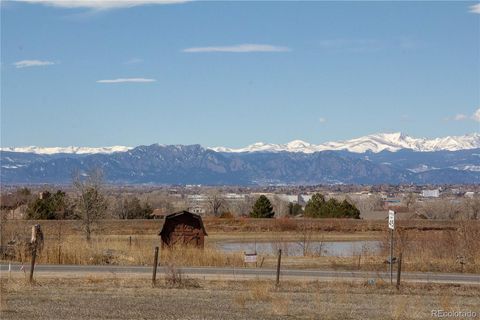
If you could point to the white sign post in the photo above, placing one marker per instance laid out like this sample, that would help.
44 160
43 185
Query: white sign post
391 219
391 226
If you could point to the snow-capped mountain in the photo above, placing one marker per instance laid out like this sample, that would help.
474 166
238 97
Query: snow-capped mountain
193 164
374 142
69 150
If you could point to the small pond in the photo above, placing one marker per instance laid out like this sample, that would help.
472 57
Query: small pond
296 248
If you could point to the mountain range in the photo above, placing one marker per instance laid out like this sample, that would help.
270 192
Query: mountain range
374 159
374 143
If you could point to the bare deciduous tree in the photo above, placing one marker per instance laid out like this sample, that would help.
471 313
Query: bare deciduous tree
473 207
91 202
306 234
410 199
280 206
440 209
215 202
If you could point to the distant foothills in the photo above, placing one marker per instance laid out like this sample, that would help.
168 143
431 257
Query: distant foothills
391 158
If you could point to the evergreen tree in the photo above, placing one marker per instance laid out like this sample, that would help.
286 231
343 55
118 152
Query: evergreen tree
262 208
317 207
349 210
135 210
331 209
314 205
49 206
294 209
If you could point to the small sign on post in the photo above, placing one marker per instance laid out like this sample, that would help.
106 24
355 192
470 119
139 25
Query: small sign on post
391 219
250 258
391 226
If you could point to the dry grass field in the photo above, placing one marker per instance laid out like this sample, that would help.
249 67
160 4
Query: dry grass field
115 297
434 246
235 225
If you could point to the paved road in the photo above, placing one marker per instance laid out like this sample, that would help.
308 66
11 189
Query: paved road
251 273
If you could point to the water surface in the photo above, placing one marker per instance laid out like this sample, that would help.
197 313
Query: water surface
297 248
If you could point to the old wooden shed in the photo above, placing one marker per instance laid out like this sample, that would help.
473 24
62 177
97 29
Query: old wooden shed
184 228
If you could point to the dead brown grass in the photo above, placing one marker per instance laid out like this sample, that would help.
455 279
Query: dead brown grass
440 250
134 298
152 227
434 246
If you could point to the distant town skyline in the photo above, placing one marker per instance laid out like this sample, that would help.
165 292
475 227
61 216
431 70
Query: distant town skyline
103 73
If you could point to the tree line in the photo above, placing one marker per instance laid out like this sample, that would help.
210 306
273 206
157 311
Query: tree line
90 204
316 207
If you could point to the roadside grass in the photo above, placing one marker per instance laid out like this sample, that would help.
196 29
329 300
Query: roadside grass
430 246
254 299
438 251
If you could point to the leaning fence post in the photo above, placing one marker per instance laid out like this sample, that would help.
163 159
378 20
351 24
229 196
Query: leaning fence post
32 265
278 265
399 270
155 263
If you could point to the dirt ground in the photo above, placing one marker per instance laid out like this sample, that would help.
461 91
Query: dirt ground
94 297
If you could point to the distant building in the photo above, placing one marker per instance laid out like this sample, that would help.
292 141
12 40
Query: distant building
234 196
435 193
158 213
197 209
469 194
288 198
197 197
303 199
456 192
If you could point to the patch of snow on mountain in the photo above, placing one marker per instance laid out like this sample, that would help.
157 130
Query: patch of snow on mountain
71 149
374 142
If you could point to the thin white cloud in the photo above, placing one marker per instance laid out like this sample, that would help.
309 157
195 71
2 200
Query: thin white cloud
32 63
475 8
460 117
322 120
125 80
133 61
239 48
100 4
476 115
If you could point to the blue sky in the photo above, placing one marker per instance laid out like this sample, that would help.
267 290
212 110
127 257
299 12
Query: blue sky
234 73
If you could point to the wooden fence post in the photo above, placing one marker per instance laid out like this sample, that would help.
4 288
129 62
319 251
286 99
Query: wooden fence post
32 265
155 263
278 265
399 271
59 254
